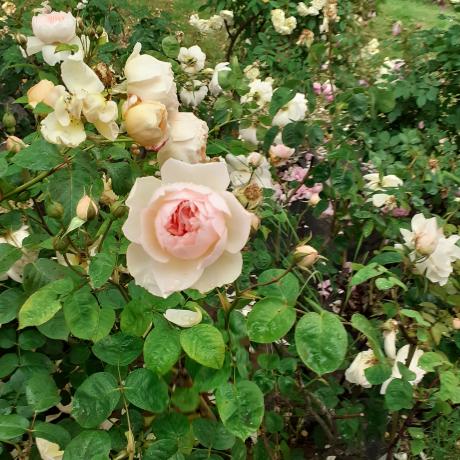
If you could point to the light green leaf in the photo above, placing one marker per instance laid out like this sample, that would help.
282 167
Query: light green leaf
399 395
146 390
241 407
8 256
366 273
415 315
135 318
40 156
321 341
450 387
95 399
43 304
269 320
363 325
430 360
204 344
10 302
286 287
101 268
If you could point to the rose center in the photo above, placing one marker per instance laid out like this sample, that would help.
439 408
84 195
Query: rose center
184 219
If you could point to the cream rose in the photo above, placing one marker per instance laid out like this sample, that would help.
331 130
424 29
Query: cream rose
187 139
186 230
41 92
151 79
147 123
356 372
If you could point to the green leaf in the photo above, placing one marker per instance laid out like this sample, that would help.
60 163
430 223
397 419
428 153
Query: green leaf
186 399
430 360
101 268
8 363
52 432
56 328
378 373
135 318
94 445
75 223
175 427
86 320
118 349
280 98
287 287
40 156
95 399
363 325
8 256
321 341
212 434
294 134
42 392
366 273
241 407
164 449
10 302
269 320
170 46
415 315
162 349
399 395
387 258
450 387
146 390
31 339
204 344
12 426
43 304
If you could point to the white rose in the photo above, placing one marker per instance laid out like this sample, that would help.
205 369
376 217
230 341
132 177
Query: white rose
245 170
48 450
401 357
186 230
355 373
151 79
227 16
192 59
431 252
294 110
375 182
214 86
260 92
380 200
249 135
283 25
187 139
193 93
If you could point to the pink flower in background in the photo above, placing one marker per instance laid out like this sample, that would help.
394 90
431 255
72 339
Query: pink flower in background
396 29
186 230
328 212
295 173
307 193
421 125
317 88
400 212
280 154
325 289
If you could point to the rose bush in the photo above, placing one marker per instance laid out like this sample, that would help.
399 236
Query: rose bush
252 254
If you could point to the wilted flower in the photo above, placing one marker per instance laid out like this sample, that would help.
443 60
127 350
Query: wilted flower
356 371
186 230
9 8
432 253
193 93
306 38
192 59
243 171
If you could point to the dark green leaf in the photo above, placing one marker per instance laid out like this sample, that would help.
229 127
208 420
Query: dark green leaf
8 256
12 426
94 445
398 395
118 349
162 349
40 156
41 392
212 434
286 287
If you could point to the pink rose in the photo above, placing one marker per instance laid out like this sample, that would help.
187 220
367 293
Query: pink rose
55 27
186 230
317 88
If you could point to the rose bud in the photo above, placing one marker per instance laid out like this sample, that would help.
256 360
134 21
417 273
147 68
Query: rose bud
54 209
87 209
14 144
255 222
147 123
305 256
8 120
456 323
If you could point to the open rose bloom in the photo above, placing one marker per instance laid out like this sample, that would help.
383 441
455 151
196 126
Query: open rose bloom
186 230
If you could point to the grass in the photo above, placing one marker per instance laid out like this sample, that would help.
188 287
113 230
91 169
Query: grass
412 14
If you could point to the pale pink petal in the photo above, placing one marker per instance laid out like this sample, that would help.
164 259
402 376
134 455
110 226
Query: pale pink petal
225 270
140 265
238 225
213 175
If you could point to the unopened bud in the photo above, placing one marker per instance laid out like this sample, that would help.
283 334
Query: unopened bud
135 149
21 40
80 25
305 256
60 244
314 200
118 209
87 209
456 323
91 31
255 159
8 120
99 30
14 144
54 209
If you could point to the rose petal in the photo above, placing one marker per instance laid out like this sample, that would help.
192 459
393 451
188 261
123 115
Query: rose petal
213 175
79 78
238 225
225 270
183 318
